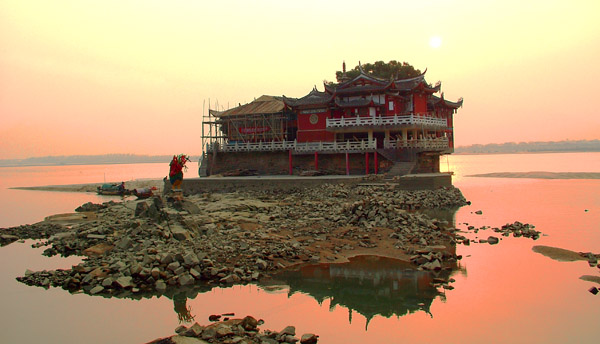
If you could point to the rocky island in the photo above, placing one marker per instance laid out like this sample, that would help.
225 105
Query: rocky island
163 245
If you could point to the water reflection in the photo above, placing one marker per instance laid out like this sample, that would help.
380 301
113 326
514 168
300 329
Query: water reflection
184 312
368 285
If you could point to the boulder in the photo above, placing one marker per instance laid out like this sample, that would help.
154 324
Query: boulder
249 323
124 282
309 338
160 286
194 331
180 233
97 289
98 250
186 279
492 240
141 209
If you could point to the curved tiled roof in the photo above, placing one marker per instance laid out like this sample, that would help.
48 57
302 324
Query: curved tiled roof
434 100
314 97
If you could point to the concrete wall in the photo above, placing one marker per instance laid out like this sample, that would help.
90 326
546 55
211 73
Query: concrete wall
286 184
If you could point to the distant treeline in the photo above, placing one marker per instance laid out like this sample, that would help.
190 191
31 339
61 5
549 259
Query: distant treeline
89 160
531 147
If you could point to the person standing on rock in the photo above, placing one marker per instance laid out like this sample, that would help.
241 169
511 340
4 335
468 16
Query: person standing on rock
176 171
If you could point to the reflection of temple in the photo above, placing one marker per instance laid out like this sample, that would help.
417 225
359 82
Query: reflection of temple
368 285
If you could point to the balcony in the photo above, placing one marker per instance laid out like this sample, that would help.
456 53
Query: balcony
294 146
402 120
436 144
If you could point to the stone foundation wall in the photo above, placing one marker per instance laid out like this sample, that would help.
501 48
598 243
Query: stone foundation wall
427 163
277 163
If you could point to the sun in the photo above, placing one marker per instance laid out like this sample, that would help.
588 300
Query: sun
435 41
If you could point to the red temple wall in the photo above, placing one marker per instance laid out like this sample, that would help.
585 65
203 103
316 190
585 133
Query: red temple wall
313 131
420 103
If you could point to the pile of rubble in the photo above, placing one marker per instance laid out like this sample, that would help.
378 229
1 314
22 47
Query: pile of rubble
237 331
517 229
149 246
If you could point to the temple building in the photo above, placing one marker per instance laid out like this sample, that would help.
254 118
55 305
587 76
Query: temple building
358 126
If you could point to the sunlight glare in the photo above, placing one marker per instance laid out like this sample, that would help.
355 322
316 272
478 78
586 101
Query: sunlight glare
435 41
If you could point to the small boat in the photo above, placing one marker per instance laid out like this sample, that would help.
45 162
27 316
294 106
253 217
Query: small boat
113 190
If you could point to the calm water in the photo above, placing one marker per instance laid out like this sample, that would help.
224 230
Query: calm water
503 293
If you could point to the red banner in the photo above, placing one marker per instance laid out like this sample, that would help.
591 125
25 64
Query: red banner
253 130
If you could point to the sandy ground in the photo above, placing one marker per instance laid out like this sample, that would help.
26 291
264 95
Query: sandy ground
540 175
590 278
135 184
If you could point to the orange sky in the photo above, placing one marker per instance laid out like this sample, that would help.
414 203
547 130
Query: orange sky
119 76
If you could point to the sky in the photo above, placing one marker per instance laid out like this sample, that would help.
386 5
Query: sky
81 77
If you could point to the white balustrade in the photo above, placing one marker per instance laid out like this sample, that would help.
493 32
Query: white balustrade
411 119
320 146
439 143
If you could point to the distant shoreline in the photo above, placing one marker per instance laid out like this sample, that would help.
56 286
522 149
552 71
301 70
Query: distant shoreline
92 187
540 175
524 152
88 164
79 160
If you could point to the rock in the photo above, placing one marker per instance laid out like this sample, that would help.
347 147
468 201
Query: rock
173 266
214 317
249 323
593 290
191 259
96 236
98 250
492 240
309 338
231 278
107 282
209 333
141 209
261 264
89 206
124 282
194 331
180 233
160 286
185 279
97 289
291 330
124 243
194 273
223 330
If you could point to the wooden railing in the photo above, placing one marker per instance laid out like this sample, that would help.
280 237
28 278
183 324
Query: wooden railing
412 119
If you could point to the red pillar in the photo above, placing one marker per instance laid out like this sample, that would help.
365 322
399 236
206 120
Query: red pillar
290 160
375 162
316 161
366 163
347 165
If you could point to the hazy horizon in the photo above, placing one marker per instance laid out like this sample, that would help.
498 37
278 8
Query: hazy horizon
113 77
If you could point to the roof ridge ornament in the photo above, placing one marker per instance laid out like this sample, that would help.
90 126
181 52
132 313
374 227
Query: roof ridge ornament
360 68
